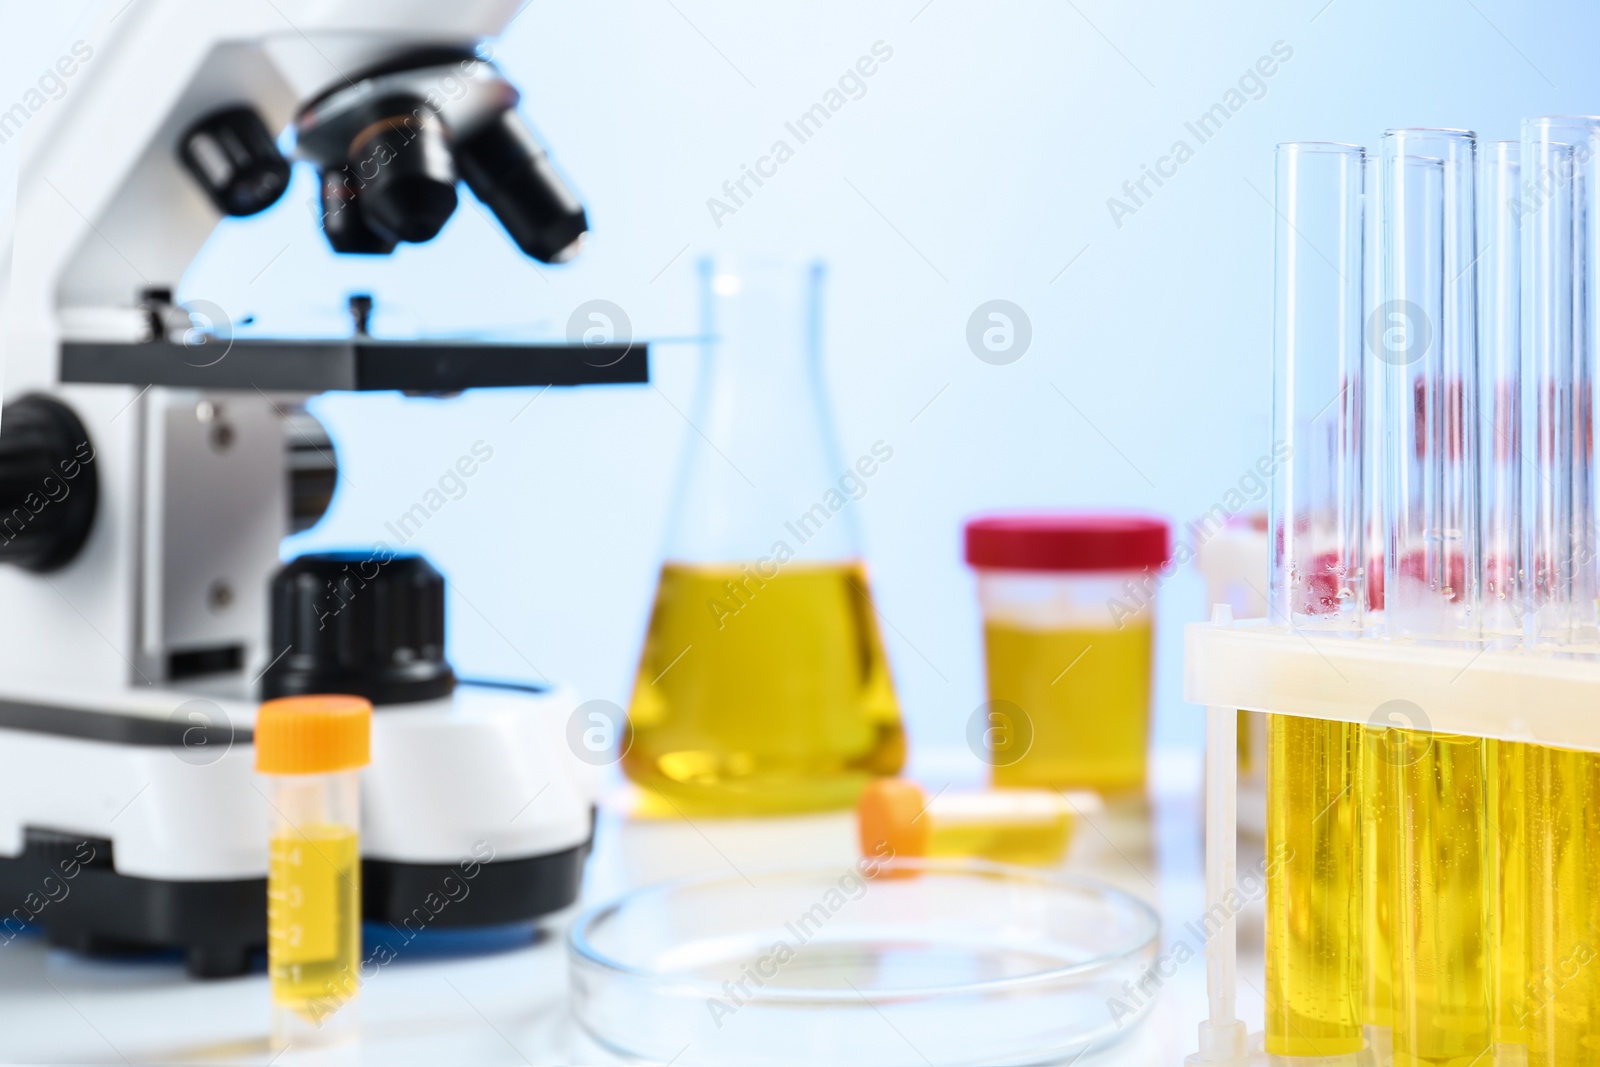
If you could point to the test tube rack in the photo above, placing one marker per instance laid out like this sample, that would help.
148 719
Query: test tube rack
1505 691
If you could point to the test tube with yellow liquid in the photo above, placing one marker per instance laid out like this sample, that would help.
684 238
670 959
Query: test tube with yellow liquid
1315 937
1432 589
311 749
763 686
1560 241
1503 457
1381 747
896 817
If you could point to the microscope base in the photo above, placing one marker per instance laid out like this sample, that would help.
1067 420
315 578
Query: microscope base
128 831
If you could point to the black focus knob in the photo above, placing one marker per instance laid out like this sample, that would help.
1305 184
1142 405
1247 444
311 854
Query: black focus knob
48 486
366 623
234 158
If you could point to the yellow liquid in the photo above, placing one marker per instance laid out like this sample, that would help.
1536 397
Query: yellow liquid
1378 755
1508 888
314 919
762 694
1030 830
1563 990
1315 939
1244 724
1086 694
1442 973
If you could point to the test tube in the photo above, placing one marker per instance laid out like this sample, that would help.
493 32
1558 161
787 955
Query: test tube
312 748
1373 799
1432 589
1029 826
1500 366
1314 942
1504 600
1550 331
1427 344
1559 156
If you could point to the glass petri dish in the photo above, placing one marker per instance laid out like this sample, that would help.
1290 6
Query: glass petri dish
921 962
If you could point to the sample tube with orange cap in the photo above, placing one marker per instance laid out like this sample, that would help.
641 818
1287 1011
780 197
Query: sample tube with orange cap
898 819
1068 601
312 749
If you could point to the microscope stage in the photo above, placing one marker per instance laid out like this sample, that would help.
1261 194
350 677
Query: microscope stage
355 364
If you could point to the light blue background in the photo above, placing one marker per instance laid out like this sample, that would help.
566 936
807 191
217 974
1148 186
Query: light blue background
976 166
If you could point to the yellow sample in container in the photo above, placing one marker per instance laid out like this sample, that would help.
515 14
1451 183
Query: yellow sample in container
762 689
1315 941
1028 826
1086 692
1442 973
1563 992
311 748
1068 609
313 879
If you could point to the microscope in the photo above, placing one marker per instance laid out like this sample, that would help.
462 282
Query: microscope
151 463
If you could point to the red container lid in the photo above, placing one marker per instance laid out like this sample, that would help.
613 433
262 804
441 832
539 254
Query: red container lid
1068 541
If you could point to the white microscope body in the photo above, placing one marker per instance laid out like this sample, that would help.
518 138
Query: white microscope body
129 671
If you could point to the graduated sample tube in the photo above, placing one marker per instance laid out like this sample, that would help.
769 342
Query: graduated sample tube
312 749
1314 942
1563 787
1431 589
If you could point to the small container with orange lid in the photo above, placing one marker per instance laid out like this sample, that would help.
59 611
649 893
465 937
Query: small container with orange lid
312 749
897 819
1068 601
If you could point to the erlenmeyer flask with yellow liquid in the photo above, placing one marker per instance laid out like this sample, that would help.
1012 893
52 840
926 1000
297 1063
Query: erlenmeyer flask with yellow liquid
763 685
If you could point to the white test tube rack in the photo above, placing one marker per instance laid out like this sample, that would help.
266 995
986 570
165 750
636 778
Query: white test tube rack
1509 694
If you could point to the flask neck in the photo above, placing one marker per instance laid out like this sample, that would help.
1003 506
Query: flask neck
763 446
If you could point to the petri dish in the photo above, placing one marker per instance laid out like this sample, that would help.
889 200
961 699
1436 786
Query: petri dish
922 962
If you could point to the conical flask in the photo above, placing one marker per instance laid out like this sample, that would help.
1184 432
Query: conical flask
763 685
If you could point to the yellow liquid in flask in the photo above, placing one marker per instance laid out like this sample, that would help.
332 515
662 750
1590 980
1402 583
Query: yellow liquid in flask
762 693
314 919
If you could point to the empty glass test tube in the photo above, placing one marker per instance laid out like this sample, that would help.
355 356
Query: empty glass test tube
1314 942
1441 944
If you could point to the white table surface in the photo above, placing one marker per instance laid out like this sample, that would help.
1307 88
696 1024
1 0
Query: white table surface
510 1006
